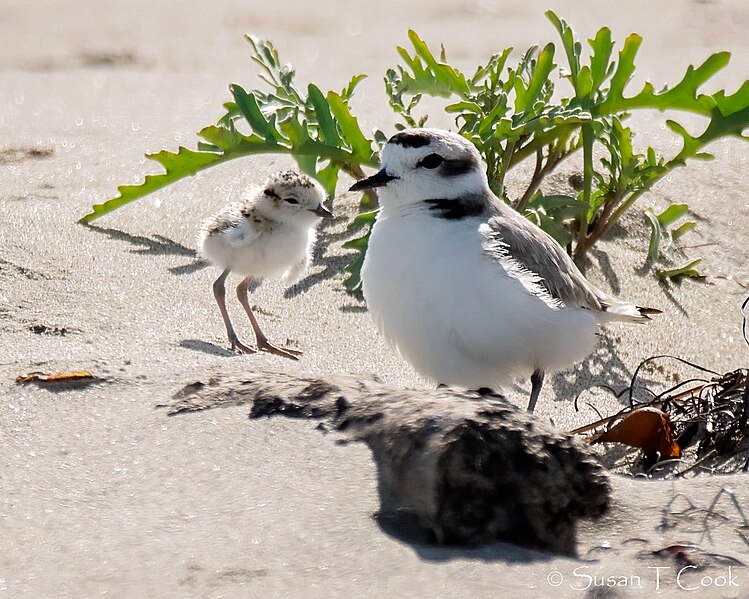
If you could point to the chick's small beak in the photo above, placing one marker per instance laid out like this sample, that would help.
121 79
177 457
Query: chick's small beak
377 180
323 212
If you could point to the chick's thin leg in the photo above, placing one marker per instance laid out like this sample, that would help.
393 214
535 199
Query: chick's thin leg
262 341
219 292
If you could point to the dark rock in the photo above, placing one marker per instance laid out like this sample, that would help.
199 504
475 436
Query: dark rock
473 470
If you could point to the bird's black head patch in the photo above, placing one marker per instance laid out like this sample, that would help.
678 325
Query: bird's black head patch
410 139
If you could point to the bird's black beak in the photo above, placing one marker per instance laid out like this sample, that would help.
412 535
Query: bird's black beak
323 212
377 180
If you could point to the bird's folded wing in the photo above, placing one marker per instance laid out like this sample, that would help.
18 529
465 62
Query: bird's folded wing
541 255
242 233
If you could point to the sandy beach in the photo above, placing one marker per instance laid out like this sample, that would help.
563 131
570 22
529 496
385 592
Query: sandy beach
101 493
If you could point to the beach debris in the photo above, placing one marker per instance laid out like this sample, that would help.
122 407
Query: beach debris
471 469
707 416
19 154
46 329
77 377
647 428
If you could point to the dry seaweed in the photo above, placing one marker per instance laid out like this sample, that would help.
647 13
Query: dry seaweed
708 418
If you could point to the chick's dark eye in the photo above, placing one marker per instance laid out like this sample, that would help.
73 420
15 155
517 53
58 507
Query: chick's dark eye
291 200
431 161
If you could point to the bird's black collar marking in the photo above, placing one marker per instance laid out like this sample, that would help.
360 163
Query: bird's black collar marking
457 208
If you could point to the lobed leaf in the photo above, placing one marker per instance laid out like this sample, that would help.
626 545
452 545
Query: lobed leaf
348 91
525 96
361 146
600 65
571 47
178 165
249 108
683 96
328 129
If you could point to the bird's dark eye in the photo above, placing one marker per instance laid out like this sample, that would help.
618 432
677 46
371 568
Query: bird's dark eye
291 200
431 161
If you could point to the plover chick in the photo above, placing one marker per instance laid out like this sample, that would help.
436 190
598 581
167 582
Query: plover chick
467 290
271 232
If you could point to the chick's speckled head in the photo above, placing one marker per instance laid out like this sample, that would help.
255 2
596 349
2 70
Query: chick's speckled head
292 196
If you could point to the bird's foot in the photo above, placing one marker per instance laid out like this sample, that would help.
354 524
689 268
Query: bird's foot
238 347
284 352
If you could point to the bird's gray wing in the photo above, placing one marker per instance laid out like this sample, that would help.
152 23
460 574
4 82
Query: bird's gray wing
540 254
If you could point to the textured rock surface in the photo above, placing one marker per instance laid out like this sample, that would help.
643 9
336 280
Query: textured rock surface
472 469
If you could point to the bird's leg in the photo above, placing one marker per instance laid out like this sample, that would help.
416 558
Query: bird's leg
262 341
219 292
537 381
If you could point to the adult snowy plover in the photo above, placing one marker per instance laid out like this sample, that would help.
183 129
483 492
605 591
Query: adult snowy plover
466 289
271 232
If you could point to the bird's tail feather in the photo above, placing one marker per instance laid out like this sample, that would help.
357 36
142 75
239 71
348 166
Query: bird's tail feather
626 312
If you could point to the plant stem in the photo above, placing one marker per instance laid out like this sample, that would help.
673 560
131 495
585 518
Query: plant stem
584 244
503 168
535 180
540 172
623 207
588 139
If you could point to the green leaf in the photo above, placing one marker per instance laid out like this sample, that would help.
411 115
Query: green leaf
307 152
553 227
360 145
428 75
688 271
559 207
526 96
622 75
682 229
655 234
249 108
178 165
600 60
206 147
348 91
671 214
442 71
231 141
683 96
328 177
365 220
571 47
328 129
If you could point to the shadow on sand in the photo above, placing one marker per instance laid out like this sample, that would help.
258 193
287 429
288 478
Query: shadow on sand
157 245
404 527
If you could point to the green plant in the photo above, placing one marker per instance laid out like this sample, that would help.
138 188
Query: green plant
664 231
510 115
510 112
317 129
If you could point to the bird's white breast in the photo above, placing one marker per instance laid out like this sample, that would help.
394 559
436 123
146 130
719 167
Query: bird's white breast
457 315
263 250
